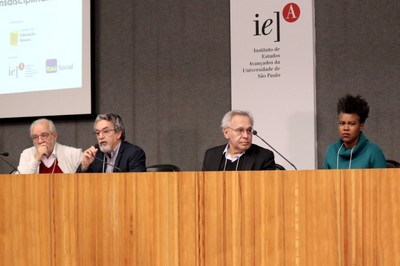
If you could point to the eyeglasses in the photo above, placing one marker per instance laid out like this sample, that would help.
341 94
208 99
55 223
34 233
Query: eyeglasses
105 132
43 136
240 130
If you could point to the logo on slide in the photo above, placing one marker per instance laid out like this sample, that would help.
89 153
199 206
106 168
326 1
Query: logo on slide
51 65
21 66
14 38
13 71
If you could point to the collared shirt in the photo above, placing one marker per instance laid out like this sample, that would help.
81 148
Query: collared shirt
111 159
229 157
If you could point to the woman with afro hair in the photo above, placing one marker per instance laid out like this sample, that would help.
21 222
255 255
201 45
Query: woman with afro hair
353 149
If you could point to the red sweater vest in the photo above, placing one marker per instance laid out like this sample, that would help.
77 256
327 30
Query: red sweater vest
44 170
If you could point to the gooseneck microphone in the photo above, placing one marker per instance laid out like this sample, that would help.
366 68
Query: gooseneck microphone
255 134
7 162
104 161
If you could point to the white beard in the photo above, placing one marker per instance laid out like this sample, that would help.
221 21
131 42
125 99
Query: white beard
106 149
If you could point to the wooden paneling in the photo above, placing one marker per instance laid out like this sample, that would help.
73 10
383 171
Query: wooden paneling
25 220
336 217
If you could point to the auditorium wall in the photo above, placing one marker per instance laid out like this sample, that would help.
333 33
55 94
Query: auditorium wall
164 66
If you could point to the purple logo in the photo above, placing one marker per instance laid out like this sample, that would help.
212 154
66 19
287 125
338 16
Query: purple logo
51 65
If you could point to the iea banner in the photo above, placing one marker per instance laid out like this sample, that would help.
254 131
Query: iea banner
273 74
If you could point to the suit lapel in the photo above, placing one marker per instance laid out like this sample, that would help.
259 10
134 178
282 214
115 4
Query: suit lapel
215 162
119 155
248 159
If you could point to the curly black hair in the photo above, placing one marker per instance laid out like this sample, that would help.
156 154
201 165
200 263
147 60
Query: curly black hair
350 104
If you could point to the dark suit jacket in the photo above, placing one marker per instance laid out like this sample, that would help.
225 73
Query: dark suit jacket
130 158
255 158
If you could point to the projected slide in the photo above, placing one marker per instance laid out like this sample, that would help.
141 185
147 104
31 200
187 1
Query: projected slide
43 53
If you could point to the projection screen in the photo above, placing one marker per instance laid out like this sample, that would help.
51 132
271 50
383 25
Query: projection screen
45 51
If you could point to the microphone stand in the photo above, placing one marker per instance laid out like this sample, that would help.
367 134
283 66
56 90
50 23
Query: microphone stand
12 166
255 134
104 161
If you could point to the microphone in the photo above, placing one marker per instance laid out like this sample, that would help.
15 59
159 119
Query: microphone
7 162
104 161
255 134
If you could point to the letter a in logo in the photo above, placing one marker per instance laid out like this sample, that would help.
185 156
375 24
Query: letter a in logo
291 12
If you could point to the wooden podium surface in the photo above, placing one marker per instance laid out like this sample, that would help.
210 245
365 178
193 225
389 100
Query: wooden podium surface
315 217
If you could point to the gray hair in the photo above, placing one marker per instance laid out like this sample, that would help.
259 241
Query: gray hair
226 121
42 120
113 118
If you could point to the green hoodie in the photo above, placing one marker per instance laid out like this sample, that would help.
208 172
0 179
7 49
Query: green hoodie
364 155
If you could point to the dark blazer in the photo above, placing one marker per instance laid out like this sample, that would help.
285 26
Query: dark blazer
130 158
255 158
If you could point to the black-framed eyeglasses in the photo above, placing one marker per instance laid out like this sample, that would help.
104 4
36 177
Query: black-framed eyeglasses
105 132
43 136
241 130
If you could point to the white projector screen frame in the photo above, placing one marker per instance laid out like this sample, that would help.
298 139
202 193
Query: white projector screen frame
45 58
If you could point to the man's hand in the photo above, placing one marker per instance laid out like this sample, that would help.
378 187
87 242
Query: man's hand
41 149
88 157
